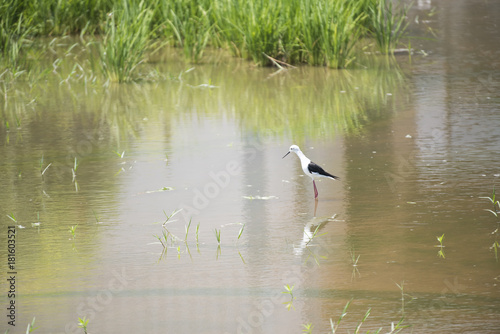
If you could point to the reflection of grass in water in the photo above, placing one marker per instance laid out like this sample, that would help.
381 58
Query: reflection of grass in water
321 104
303 101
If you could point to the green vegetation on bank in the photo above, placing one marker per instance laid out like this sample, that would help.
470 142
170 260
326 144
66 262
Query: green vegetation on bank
320 32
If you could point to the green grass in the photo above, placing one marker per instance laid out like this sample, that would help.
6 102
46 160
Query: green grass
387 24
83 323
441 246
72 230
494 211
11 217
42 169
14 31
217 235
289 291
330 32
188 24
126 40
334 326
317 32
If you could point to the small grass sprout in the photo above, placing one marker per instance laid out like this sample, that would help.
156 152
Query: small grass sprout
169 217
495 210
31 327
197 233
335 326
307 328
289 291
72 230
403 295
494 201
241 231
217 235
43 170
187 231
495 247
315 234
441 246
395 328
121 155
11 217
83 323
75 167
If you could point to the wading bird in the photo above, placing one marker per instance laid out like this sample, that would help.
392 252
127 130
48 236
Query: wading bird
310 168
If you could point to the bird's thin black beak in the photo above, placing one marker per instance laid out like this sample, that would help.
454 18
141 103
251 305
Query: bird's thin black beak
286 155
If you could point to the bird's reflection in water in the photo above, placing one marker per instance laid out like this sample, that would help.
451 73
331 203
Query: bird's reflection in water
312 230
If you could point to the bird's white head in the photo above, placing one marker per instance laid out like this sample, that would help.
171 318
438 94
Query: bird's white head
293 148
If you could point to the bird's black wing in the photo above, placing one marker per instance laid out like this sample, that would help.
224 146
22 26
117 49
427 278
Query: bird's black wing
317 169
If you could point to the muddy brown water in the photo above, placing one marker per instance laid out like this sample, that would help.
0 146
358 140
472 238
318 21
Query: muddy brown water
415 142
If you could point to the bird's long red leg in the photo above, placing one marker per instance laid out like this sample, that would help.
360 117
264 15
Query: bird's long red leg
315 190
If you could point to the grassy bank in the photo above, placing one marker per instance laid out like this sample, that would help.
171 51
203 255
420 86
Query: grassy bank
319 32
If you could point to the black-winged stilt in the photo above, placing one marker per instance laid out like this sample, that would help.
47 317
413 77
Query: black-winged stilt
310 168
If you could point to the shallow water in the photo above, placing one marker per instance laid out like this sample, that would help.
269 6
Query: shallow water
415 144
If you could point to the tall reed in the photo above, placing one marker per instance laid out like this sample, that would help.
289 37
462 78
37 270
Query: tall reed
318 32
14 33
126 40
330 30
387 24
188 24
